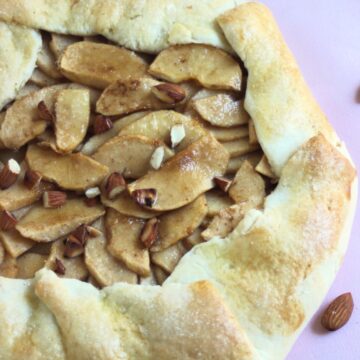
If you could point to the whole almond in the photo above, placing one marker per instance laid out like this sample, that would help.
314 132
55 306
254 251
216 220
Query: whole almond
338 312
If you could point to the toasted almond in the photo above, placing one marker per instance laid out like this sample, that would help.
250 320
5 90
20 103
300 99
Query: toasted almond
191 62
9 174
92 192
177 134
222 183
91 202
7 220
32 179
169 258
73 247
102 124
28 264
81 233
150 232
44 112
338 312
115 185
93 231
169 93
54 199
157 157
59 267
145 197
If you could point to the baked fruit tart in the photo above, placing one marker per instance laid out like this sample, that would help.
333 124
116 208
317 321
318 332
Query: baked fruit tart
170 189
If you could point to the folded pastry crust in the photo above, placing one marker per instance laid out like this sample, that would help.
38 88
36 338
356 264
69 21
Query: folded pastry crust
244 297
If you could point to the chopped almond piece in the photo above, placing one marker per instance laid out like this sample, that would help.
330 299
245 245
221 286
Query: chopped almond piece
99 65
28 264
191 62
239 147
9 174
72 172
92 193
72 111
235 163
150 232
252 133
216 201
145 197
169 93
169 258
54 199
8 268
43 225
177 134
157 157
124 242
248 186
59 267
160 274
178 224
129 155
46 61
73 247
115 185
264 168
222 183
44 112
106 269
102 124
7 220
190 173
32 179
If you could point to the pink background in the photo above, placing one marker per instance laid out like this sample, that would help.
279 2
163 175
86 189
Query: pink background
324 36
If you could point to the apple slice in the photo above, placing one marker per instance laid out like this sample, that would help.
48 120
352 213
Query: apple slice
97 140
8 267
26 90
106 269
217 200
191 62
178 224
149 280
157 126
72 110
99 65
44 225
239 147
124 242
28 264
169 258
264 168
41 80
194 239
160 274
228 134
129 155
14 243
72 172
59 43
46 61
252 133
186 175
235 163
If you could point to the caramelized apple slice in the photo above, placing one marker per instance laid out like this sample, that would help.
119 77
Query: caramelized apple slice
124 97
124 242
72 110
28 89
239 147
186 175
191 62
228 134
46 61
59 43
248 186
180 223
22 121
43 225
72 268
252 133
216 201
169 258
99 65
160 274
264 168
235 163
130 154
101 264
72 172
157 125
97 140
28 264
14 243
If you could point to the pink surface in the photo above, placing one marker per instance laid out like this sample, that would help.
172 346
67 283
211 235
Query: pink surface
324 36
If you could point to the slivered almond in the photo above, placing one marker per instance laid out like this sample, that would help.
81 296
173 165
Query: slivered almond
44 112
169 93
115 185
222 183
157 157
32 179
7 220
9 174
102 124
150 232
177 134
145 197
54 199
59 267
92 193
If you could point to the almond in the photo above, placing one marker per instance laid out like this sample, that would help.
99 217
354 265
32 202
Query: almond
73 247
177 134
92 193
9 174
32 179
169 93
338 312
91 202
222 183
54 199
102 124
7 220
81 233
45 113
150 232
157 157
59 267
115 185
93 231
145 197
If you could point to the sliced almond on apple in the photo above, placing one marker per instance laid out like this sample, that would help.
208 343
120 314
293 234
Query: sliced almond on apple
264 168
124 242
160 274
59 43
248 186
129 155
217 200
8 267
72 268
169 258
28 264
43 225
235 163
127 96
22 121
178 224
239 147
72 171
194 239
105 268
99 65
225 222
228 134
191 62
97 140
186 175
72 110
126 205
157 126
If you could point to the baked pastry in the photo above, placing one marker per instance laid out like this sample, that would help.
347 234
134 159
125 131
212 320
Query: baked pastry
263 249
